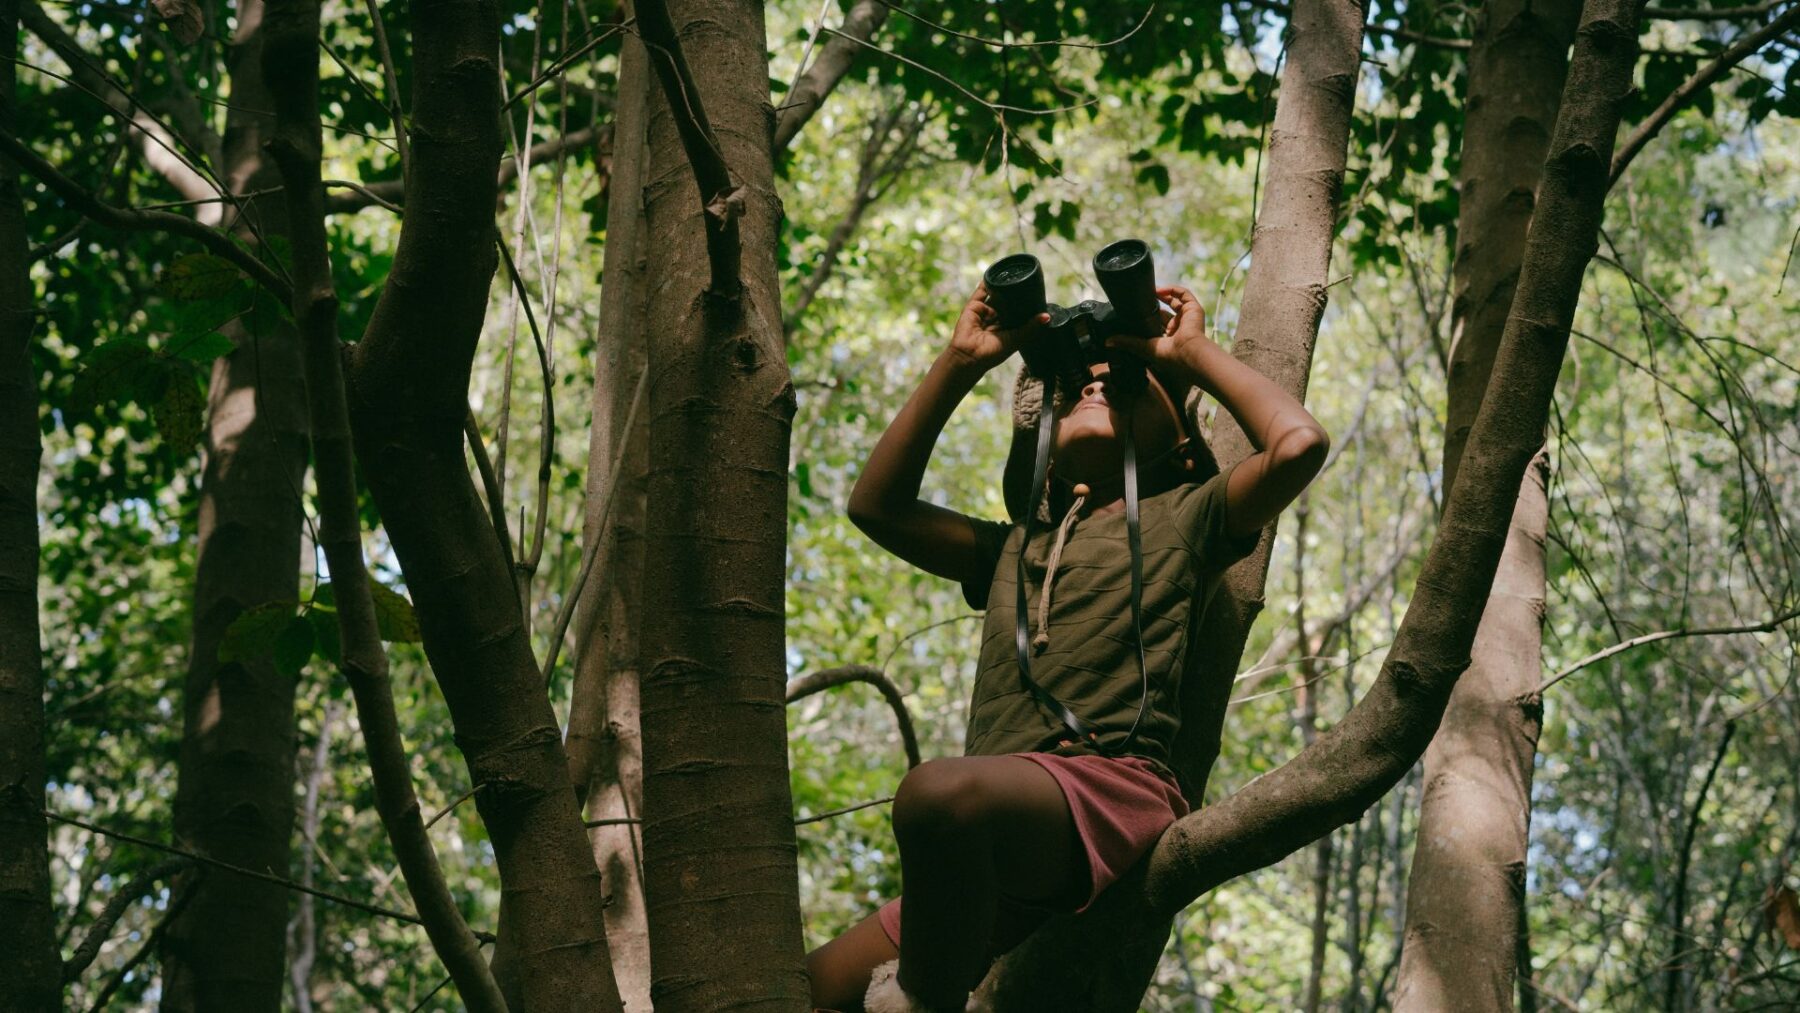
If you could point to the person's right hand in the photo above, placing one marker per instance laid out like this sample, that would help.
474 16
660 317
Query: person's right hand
980 341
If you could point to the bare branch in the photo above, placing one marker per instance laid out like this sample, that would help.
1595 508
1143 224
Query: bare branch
391 193
115 908
1650 638
719 197
1703 79
81 200
807 685
1710 13
811 87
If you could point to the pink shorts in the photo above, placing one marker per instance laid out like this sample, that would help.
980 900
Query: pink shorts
1121 805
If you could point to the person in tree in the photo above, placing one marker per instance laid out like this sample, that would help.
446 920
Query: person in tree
1037 818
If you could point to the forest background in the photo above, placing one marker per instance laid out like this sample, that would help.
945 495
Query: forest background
1664 801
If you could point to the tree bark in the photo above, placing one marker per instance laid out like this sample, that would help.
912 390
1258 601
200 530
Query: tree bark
1284 298
1355 763
719 842
292 59
226 948
30 967
605 748
1467 892
408 394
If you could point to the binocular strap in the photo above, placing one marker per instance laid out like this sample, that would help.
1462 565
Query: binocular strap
1040 473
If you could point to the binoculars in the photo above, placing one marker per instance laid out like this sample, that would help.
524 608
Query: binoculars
1075 337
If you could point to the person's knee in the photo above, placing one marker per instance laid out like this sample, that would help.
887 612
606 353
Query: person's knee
940 800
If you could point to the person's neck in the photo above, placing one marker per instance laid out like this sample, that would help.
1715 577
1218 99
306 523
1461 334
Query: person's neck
1107 496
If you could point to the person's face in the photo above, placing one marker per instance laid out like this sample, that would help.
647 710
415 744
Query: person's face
1087 433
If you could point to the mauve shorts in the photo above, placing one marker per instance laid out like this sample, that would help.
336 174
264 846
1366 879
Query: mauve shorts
1121 806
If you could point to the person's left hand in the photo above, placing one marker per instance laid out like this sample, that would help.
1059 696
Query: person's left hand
1183 346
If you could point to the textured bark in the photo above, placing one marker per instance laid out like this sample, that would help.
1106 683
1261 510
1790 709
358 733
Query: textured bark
408 381
1465 899
292 60
719 857
605 749
30 967
234 801
1284 298
1467 892
226 949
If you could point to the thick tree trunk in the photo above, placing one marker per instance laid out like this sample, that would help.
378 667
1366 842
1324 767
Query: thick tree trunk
30 968
719 854
1284 298
408 395
226 949
605 749
1466 896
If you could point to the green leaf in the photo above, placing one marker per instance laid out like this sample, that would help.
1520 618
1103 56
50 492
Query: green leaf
294 646
253 634
181 411
111 373
325 595
201 276
394 615
326 635
1155 175
200 347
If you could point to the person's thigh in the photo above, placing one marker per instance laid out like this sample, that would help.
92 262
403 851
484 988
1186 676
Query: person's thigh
1038 854
840 969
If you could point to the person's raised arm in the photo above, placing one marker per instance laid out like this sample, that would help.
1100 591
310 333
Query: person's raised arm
1291 445
885 503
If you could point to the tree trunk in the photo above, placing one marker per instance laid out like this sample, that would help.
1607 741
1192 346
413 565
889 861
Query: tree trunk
719 855
1284 298
234 799
30 968
1468 875
408 380
605 749
1355 763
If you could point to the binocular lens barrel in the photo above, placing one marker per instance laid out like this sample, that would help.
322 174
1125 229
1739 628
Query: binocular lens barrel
1128 277
1015 287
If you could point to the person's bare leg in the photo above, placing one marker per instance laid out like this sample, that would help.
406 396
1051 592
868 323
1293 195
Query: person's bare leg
840 969
971 828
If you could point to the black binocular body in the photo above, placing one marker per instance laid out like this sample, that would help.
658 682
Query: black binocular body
1075 338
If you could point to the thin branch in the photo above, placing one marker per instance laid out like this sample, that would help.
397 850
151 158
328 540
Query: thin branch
391 193
566 611
1703 79
1286 10
1710 13
563 64
720 199
799 821
807 685
84 202
995 107
446 810
151 944
1650 638
265 877
395 113
115 908
532 549
1065 43
490 485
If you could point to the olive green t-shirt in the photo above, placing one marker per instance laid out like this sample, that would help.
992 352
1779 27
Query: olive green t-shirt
1090 662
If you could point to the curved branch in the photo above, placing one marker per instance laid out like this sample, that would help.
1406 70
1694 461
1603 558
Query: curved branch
101 213
807 685
1650 638
115 908
1703 79
835 56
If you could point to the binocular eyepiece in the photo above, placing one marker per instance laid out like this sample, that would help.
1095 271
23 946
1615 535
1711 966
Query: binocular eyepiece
1075 338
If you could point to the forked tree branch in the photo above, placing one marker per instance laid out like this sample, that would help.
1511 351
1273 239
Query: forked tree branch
83 201
1691 88
807 685
720 199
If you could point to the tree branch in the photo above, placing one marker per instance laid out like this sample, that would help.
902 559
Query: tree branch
115 908
82 201
1703 79
291 66
807 685
720 199
1710 14
1650 638
391 193
812 87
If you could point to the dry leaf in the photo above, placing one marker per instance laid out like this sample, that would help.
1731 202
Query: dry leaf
185 20
1781 911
